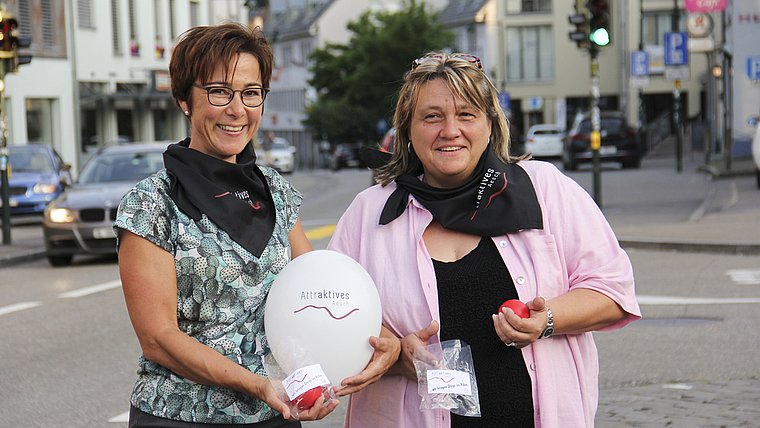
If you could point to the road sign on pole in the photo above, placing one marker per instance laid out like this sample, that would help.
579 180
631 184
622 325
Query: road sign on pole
677 48
640 69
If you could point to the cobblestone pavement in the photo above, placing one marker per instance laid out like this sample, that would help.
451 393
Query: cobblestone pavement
719 404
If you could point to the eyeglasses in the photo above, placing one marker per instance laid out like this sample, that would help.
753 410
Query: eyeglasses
472 59
220 96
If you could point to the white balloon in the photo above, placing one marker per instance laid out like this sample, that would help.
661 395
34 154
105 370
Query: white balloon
328 303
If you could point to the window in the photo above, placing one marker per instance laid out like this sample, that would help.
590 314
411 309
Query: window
530 55
38 19
84 14
39 121
654 25
194 15
115 28
526 6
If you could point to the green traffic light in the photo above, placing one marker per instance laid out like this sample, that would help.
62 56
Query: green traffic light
600 37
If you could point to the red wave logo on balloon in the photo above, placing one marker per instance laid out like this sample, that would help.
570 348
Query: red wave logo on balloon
328 311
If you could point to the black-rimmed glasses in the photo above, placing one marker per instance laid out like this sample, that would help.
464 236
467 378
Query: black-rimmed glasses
220 96
472 59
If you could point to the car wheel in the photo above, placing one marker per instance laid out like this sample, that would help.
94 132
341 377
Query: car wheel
64 260
632 163
569 165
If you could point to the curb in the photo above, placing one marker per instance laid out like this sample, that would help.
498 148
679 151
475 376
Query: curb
743 248
22 256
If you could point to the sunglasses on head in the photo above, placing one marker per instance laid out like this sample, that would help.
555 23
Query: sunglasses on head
472 59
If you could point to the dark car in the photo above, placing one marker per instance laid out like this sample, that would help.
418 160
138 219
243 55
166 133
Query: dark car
37 174
346 156
80 220
620 142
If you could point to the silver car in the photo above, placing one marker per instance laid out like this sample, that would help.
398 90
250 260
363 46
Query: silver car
80 220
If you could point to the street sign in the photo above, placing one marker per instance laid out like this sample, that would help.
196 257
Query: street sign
639 63
753 67
676 48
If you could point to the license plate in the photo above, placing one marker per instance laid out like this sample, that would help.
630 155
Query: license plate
103 233
607 150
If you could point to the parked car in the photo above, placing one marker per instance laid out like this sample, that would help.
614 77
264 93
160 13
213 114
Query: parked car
620 142
80 220
545 140
37 175
281 157
347 156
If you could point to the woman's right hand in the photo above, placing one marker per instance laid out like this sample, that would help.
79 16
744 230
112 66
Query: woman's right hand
266 393
405 364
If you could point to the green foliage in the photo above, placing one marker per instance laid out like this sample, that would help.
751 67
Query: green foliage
357 83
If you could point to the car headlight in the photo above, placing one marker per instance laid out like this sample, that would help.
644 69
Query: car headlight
44 188
61 215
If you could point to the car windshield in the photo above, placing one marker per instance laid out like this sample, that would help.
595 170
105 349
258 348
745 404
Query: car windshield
613 125
121 167
30 160
546 132
279 145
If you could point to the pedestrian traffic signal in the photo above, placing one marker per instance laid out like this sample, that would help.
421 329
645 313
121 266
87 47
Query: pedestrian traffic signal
600 22
580 34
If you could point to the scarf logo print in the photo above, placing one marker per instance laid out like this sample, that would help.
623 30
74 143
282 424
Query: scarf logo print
490 178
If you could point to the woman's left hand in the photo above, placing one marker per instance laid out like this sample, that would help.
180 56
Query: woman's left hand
387 349
522 331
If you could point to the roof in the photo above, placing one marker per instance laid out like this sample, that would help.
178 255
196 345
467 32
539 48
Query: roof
294 23
460 12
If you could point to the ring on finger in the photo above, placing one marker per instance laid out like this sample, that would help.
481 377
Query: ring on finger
512 343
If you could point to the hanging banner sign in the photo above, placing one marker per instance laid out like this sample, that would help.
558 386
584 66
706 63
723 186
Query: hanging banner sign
705 5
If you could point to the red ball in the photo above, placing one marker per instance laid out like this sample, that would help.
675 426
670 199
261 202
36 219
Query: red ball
308 398
517 306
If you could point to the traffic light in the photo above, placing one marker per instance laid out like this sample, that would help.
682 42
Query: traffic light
600 23
580 34
10 42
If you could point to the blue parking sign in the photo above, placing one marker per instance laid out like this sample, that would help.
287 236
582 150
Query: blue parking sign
639 63
677 48
753 67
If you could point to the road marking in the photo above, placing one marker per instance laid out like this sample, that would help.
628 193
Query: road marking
744 276
321 232
18 307
676 300
124 417
90 290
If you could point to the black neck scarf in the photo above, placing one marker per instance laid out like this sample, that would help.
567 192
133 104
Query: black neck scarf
235 196
498 199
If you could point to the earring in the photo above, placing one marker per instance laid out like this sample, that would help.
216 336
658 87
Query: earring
409 146
187 113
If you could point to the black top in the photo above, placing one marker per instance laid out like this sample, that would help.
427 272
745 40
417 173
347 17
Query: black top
470 290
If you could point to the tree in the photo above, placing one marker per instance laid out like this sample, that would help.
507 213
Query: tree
357 83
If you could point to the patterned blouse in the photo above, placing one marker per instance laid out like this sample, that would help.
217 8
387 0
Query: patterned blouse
221 289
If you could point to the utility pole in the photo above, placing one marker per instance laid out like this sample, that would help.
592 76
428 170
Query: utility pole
10 42
593 25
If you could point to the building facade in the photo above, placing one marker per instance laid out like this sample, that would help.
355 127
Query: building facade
99 68
99 72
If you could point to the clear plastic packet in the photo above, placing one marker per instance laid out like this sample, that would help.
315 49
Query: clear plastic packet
298 380
446 378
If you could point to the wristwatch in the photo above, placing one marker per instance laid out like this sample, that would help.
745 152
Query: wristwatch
549 327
